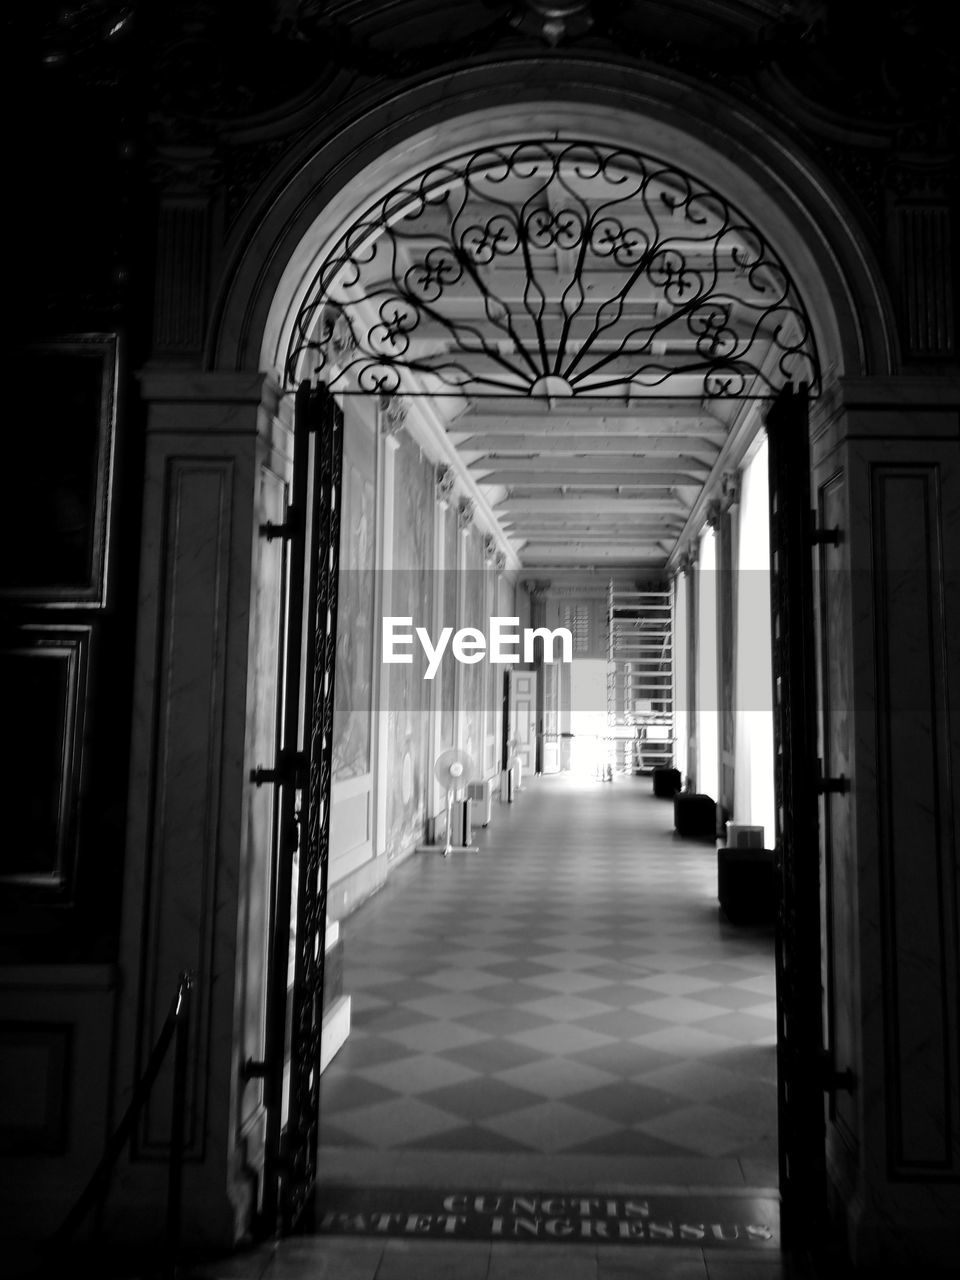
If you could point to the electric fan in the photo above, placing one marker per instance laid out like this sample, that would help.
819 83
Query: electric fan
453 769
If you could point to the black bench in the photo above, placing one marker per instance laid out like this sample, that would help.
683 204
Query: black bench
746 885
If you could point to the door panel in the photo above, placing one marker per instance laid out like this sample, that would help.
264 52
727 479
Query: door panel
796 776
550 757
523 718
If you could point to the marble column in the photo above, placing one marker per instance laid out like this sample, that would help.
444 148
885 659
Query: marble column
538 618
391 415
726 528
689 567
886 489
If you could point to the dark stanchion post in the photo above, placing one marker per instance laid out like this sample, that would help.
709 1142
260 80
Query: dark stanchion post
177 1124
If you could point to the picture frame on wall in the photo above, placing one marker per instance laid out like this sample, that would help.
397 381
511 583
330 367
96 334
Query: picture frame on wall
58 517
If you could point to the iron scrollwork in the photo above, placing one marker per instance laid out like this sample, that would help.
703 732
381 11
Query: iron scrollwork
301 1137
550 268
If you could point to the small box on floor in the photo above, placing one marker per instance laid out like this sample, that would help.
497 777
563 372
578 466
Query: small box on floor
747 885
695 815
666 781
740 836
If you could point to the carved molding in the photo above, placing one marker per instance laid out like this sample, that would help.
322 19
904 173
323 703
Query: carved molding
185 169
393 414
553 20
465 509
923 235
180 314
338 335
729 489
445 481
687 560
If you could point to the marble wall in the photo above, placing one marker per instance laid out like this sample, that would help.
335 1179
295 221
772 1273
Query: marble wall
356 623
407 763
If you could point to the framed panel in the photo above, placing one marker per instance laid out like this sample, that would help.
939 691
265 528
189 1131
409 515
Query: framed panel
35 1059
60 525
43 678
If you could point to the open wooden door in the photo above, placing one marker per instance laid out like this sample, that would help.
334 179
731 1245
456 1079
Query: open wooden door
551 675
522 719
797 788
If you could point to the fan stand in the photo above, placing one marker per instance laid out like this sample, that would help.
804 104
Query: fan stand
449 846
453 791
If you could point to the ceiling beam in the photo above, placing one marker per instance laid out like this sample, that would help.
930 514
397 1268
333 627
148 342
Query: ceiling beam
589 554
522 442
641 413
575 466
593 520
575 504
549 478
602 494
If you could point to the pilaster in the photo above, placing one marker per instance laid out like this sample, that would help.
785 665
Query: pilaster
196 884
887 495
726 528
688 566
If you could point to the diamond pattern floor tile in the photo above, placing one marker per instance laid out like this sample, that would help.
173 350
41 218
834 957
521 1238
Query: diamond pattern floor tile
572 988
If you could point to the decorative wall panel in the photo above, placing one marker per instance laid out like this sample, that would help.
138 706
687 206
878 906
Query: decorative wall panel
35 1069
408 710
56 532
839 888
43 692
356 629
180 294
185 830
917 788
926 274
262 729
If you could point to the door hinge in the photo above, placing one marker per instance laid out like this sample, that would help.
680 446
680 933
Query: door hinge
288 527
254 1070
820 536
288 769
831 786
832 1080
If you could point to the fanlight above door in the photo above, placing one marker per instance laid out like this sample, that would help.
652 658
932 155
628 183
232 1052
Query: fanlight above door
554 269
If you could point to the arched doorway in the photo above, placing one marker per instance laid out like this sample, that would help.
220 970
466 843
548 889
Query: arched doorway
732 327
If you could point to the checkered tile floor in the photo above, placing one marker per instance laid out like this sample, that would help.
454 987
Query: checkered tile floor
571 990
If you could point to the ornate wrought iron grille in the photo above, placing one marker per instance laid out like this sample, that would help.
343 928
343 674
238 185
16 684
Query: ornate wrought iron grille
554 268
302 776
306 1014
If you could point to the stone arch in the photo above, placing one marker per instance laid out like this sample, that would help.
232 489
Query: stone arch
300 210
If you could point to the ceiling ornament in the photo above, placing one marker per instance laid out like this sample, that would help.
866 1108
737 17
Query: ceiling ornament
465 510
556 269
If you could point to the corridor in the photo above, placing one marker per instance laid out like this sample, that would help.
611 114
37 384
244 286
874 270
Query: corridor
568 994
563 1011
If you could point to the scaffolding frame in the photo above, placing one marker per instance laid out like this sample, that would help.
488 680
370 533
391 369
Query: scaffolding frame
640 678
